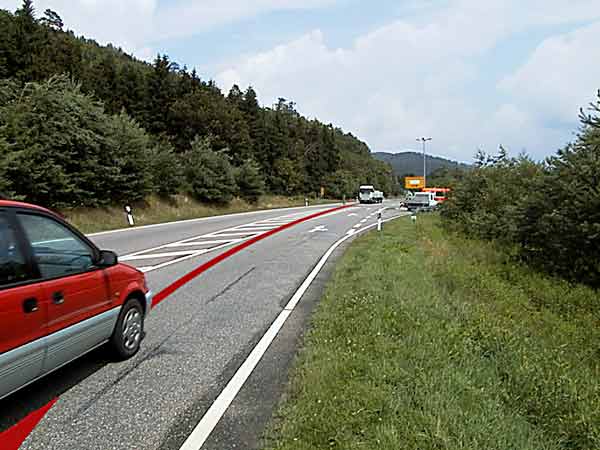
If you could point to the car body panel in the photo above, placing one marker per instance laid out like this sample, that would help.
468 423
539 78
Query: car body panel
69 343
21 348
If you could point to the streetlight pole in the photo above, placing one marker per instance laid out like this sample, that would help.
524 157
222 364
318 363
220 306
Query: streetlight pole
423 140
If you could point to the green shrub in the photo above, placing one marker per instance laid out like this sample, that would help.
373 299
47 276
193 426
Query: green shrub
60 148
250 182
208 173
549 212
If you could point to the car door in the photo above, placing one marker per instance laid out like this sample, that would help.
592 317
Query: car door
23 311
76 290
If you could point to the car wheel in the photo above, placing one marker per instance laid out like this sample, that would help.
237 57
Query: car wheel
129 330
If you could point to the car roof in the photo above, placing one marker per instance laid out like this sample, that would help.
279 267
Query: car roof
14 204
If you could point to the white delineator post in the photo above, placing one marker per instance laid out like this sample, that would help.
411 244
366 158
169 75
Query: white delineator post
129 213
379 222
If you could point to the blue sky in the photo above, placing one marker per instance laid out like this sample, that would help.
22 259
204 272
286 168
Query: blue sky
469 73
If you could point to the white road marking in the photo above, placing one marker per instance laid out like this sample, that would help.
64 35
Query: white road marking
226 233
356 226
352 214
163 255
256 225
223 238
211 418
192 243
203 219
193 255
363 221
318 228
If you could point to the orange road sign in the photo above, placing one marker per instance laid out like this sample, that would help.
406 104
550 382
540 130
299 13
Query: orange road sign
414 183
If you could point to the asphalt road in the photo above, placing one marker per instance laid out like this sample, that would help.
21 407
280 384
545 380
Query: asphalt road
196 339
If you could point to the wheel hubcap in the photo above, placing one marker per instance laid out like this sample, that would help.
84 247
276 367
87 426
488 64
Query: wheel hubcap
132 329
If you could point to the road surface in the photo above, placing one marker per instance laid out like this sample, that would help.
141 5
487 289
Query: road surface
197 338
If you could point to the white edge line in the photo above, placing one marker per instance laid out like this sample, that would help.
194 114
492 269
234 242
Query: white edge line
211 418
201 219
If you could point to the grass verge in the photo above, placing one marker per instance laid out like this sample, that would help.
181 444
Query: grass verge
425 340
157 210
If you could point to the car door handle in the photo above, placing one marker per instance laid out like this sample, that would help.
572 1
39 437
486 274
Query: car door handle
30 305
58 298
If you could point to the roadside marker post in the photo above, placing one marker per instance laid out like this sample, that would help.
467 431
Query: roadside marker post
413 217
379 222
129 213
305 201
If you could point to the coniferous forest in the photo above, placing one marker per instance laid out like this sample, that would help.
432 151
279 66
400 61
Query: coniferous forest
88 125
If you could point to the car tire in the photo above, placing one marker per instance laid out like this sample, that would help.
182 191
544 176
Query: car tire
129 330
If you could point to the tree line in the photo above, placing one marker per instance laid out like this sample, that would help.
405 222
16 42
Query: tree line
547 212
86 125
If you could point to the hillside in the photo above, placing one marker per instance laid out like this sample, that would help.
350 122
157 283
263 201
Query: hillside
411 163
110 128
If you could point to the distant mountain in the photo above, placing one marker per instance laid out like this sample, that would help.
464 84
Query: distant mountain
406 163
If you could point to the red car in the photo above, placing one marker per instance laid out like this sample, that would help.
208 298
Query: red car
60 296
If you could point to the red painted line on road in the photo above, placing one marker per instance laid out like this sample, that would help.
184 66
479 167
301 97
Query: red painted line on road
12 438
162 295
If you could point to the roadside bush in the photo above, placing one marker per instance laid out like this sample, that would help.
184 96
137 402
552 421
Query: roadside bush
209 174
486 202
129 159
341 183
250 182
62 149
560 220
165 169
549 212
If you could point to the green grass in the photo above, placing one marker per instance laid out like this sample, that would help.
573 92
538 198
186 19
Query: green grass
156 210
426 340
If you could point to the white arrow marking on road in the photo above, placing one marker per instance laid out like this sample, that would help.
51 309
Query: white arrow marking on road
318 228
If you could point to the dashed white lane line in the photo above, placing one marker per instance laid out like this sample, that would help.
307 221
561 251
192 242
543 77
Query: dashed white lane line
363 221
211 418
357 225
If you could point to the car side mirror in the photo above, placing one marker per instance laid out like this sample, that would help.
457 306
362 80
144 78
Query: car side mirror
108 258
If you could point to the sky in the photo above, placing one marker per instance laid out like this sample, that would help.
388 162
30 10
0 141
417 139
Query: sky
471 74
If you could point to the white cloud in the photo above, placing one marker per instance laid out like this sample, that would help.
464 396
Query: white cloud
561 75
417 77
186 17
139 25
